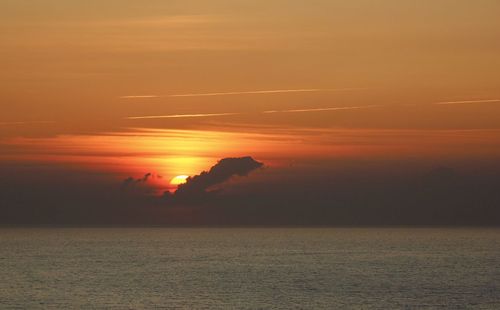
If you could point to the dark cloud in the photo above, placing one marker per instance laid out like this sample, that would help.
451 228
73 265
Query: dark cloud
131 181
139 186
198 186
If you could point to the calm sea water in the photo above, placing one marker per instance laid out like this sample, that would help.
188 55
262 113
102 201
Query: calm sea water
249 268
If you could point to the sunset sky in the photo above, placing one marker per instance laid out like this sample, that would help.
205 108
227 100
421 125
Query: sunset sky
329 91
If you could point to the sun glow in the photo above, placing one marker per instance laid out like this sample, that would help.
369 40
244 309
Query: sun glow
180 179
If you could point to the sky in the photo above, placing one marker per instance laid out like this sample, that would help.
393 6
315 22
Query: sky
352 112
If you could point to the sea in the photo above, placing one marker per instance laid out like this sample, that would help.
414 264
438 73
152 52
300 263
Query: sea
249 268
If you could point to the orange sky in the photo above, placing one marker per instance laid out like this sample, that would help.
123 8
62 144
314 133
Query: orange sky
278 80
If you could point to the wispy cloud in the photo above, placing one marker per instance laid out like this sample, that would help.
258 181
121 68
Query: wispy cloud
139 97
261 92
263 112
180 116
467 101
253 92
321 109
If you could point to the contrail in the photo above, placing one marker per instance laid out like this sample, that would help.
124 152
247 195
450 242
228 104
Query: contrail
253 92
263 112
139 96
259 92
180 116
468 101
321 109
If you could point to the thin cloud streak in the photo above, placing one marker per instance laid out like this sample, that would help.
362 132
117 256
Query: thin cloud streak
467 101
253 92
180 116
260 92
287 111
322 109
263 112
139 96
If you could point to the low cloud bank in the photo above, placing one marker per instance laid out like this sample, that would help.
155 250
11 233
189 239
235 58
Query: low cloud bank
389 194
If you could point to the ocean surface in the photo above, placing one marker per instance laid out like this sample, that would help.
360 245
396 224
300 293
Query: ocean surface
338 268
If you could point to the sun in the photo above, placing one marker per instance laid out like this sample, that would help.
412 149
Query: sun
180 179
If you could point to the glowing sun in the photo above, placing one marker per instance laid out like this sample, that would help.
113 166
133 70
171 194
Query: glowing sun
180 179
